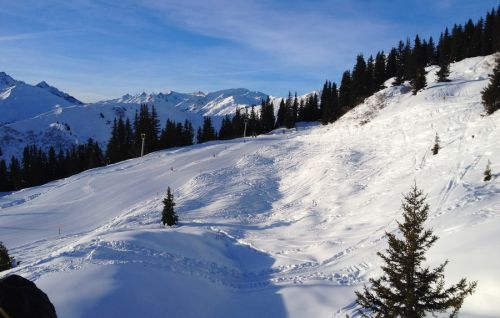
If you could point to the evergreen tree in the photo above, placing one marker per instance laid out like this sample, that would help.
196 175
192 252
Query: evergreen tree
15 174
370 76
457 43
254 122
5 259
431 58
290 115
326 103
436 147
280 120
4 185
207 132
491 93
154 129
168 215
345 91
335 112
52 165
226 129
379 75
401 64
392 64
419 81
187 133
267 115
444 72
238 122
359 80
407 64
408 289
487 172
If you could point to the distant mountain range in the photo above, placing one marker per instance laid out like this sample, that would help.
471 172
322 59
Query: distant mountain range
43 115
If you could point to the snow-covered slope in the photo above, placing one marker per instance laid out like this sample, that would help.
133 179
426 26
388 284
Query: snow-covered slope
64 125
283 225
19 100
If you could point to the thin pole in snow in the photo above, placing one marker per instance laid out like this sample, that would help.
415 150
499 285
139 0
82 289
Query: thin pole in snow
143 136
245 130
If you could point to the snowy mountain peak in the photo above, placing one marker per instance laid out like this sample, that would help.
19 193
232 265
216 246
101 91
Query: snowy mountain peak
57 92
7 81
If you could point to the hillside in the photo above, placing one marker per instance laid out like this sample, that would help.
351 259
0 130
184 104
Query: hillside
285 224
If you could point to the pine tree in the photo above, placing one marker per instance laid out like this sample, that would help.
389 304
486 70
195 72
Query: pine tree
207 130
4 186
15 174
487 172
379 74
168 215
345 92
419 81
5 259
359 80
392 64
290 115
267 115
491 93
436 147
407 288
326 103
187 133
444 72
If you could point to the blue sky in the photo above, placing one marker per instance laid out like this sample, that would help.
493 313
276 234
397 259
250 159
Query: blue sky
103 49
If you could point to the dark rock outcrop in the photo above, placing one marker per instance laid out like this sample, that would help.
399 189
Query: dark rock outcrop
20 298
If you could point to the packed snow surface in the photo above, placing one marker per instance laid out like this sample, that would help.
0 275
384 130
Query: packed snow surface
283 225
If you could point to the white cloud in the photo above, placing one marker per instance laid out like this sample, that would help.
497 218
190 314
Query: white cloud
310 36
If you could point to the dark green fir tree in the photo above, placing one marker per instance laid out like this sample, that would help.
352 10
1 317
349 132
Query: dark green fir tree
418 81
444 72
408 288
5 259
491 93
168 215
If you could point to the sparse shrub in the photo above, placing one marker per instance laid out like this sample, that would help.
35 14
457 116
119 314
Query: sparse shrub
436 147
487 172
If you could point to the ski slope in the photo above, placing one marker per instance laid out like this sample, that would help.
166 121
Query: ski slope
283 225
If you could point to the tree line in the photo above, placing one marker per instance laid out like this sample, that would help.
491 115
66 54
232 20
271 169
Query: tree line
407 62
37 167
126 137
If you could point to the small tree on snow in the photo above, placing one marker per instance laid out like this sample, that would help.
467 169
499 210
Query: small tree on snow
444 72
5 259
487 172
436 147
168 215
408 289
491 93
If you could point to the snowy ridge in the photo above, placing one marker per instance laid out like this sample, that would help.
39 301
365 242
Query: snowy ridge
35 125
57 92
283 225
20 101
